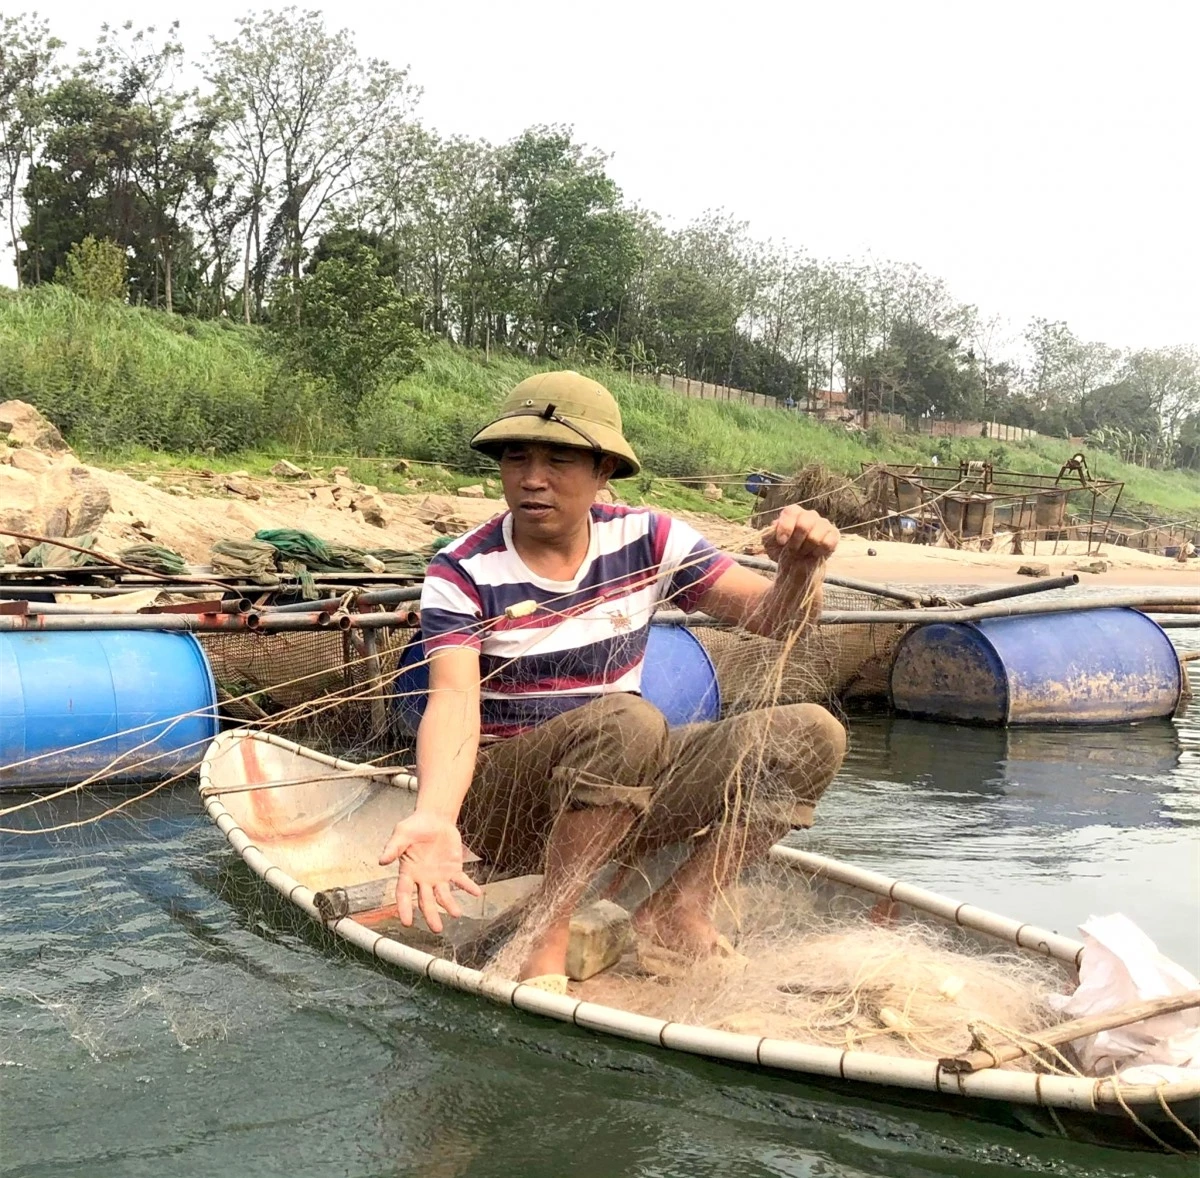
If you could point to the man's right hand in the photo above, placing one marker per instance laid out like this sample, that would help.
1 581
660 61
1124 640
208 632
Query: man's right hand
430 853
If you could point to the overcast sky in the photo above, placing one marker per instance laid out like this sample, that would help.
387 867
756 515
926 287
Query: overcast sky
1040 157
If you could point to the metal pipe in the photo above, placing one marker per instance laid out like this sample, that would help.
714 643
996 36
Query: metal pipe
191 623
389 596
892 593
1165 600
325 604
1003 592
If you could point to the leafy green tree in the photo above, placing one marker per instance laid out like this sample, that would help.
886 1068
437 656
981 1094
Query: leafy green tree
96 270
347 324
172 162
920 374
568 238
1168 381
27 70
305 110
1187 452
82 183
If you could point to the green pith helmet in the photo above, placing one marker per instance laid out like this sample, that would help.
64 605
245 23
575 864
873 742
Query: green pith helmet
560 409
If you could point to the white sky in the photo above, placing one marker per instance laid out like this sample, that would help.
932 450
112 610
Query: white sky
1040 157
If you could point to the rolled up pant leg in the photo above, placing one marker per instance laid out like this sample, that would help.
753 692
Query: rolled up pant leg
611 752
769 766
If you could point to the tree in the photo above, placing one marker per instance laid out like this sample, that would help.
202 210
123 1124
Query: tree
172 161
305 108
348 324
27 68
82 182
568 239
95 270
1168 381
1187 453
919 373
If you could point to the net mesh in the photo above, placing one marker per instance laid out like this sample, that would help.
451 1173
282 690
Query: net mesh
826 664
321 688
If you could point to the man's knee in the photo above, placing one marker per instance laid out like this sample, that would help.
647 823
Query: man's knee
825 734
811 742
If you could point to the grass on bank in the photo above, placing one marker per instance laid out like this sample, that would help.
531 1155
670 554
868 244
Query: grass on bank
129 385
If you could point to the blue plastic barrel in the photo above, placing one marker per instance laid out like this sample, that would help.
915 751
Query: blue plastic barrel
1098 666
677 678
119 694
758 481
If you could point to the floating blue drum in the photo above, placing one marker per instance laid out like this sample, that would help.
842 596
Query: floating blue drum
758 481
677 678
1098 666
136 705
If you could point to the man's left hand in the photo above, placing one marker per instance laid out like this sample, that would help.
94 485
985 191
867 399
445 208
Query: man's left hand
800 536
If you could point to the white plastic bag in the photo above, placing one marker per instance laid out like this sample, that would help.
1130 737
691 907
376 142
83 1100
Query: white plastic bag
1121 966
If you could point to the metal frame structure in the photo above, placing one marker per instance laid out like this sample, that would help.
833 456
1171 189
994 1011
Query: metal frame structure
1035 504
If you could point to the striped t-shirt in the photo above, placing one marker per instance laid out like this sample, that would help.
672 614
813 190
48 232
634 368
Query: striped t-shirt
587 636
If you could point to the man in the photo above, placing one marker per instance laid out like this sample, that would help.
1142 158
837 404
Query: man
535 744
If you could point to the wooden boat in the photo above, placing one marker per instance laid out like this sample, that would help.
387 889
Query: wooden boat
311 827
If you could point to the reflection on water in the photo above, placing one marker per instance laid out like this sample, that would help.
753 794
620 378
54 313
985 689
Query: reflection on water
1056 776
1049 825
163 1012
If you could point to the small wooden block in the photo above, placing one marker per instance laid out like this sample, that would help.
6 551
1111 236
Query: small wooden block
600 935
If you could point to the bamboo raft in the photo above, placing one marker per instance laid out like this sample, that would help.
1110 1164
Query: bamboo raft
310 826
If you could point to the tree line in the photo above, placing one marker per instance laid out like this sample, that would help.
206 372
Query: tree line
294 186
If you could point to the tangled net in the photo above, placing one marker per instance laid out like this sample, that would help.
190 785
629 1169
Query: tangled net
863 982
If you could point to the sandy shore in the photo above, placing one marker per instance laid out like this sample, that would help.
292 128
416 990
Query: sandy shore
915 563
203 510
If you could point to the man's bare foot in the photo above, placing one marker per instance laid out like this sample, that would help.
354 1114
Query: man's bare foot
682 929
549 953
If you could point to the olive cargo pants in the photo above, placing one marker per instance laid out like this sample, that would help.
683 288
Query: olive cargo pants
767 766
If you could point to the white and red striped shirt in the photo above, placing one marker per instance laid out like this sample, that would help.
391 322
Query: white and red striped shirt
587 636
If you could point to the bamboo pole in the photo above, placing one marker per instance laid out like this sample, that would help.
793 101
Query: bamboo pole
1080 1028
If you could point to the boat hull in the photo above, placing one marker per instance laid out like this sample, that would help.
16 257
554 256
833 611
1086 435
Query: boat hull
345 800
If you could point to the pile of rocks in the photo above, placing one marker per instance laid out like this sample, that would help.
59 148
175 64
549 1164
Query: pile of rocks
44 490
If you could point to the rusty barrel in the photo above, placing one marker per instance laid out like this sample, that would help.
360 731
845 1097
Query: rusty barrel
1099 666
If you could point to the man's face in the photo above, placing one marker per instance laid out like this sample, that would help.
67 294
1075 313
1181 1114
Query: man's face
549 489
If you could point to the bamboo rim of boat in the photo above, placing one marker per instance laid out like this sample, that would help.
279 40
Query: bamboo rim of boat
1085 1094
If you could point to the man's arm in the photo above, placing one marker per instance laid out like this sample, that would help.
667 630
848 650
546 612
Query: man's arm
448 735
800 541
427 844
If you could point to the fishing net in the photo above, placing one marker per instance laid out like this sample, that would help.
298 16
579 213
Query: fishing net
155 558
805 972
54 556
827 664
820 489
323 688
250 560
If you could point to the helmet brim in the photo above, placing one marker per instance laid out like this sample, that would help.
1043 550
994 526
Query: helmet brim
505 431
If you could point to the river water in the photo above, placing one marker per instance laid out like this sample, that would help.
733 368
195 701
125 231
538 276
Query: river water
161 1012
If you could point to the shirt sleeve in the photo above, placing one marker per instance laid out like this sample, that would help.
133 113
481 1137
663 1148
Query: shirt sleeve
451 611
690 565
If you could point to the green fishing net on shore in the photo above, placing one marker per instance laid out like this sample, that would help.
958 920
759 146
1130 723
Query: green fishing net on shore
322 556
49 555
249 560
154 558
